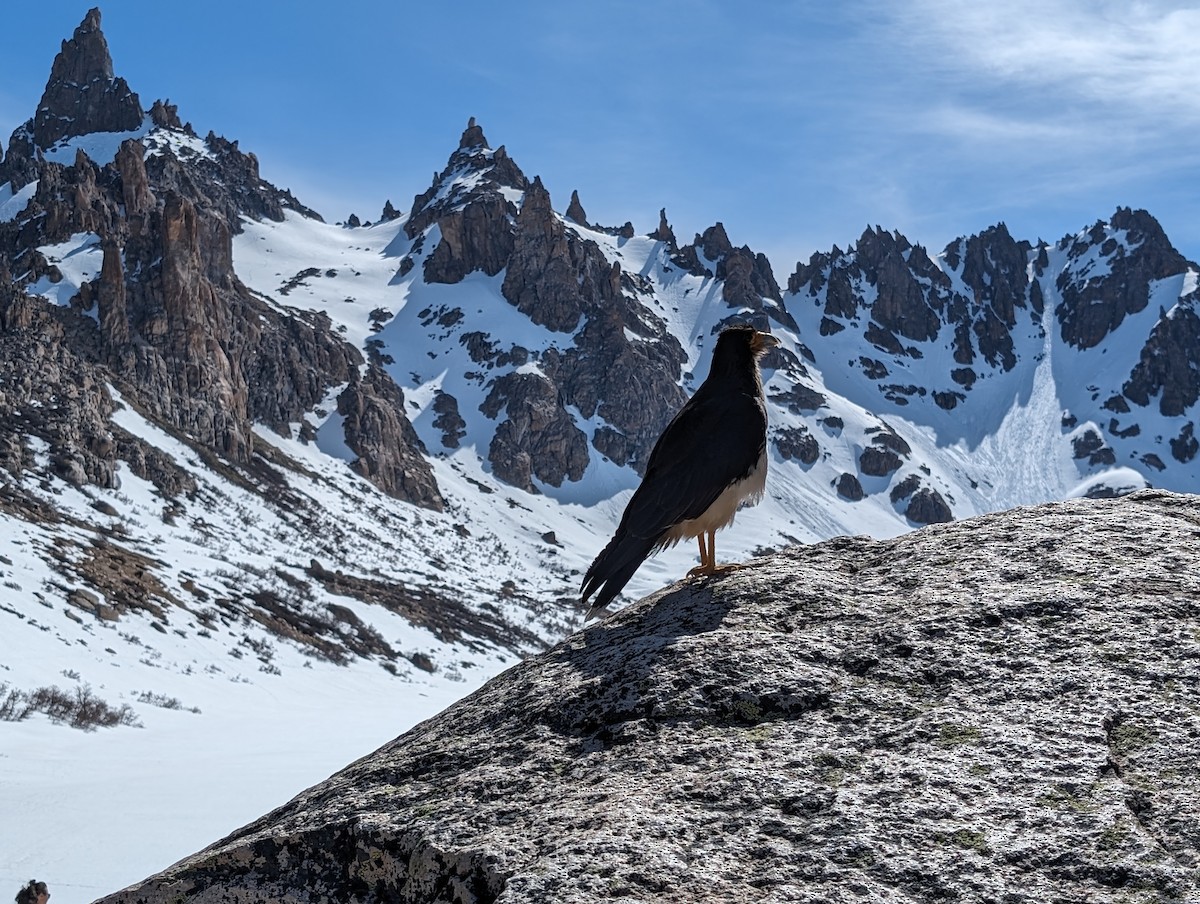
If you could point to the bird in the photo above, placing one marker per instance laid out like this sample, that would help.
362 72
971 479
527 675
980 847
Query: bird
709 461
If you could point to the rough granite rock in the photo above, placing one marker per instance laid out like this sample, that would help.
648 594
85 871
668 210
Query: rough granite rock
537 438
180 336
1004 709
575 210
1092 308
390 454
1169 366
82 95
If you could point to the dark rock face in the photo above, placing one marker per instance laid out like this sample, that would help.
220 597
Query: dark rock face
448 420
1170 362
994 267
848 487
885 454
575 210
798 444
179 334
894 720
631 384
747 279
664 233
388 449
1091 445
799 398
82 95
538 438
914 299
474 224
49 392
552 275
901 308
928 507
617 358
1094 306
227 183
1185 446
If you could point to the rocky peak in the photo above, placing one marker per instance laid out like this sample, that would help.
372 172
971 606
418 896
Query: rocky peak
472 137
747 277
901 308
664 233
82 95
471 202
554 276
475 173
165 115
1108 275
994 266
575 211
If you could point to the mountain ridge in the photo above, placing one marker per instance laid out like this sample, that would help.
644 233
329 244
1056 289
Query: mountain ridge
522 348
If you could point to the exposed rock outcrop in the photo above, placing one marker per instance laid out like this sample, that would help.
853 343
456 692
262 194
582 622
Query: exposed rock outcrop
900 298
884 720
575 210
994 266
552 276
537 438
388 449
632 384
178 333
1169 366
849 487
926 506
747 280
797 443
50 393
1133 251
82 95
474 223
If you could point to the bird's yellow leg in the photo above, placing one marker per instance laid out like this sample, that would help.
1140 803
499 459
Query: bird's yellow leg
712 552
705 566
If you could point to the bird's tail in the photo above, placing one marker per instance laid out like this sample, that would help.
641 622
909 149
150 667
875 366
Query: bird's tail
613 568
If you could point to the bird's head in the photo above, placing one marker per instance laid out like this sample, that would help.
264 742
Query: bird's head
739 349
745 338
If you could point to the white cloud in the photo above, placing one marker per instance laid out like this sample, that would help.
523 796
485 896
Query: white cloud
1137 59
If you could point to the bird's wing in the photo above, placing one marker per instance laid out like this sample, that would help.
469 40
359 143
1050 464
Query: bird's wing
708 446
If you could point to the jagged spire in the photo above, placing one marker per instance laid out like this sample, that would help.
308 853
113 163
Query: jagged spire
82 95
664 232
472 136
575 210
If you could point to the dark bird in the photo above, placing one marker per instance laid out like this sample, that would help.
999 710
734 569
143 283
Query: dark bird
710 460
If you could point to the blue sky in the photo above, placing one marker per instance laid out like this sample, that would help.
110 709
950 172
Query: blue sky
796 124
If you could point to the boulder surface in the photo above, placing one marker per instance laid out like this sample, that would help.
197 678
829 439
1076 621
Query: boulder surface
1002 709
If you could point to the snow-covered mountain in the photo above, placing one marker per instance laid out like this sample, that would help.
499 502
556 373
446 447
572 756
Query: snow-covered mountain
246 452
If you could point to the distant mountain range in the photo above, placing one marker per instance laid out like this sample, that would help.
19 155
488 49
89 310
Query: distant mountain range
245 429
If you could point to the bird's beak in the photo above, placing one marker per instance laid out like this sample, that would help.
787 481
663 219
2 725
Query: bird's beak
763 342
